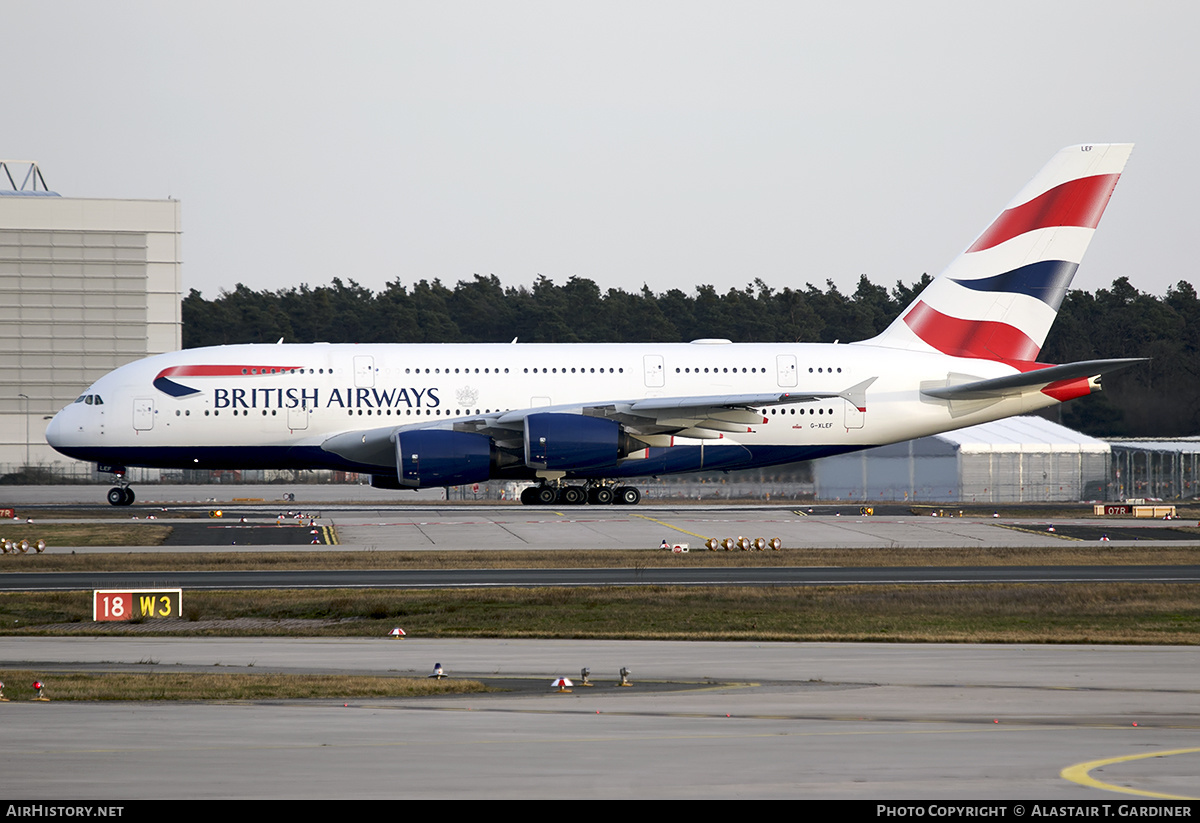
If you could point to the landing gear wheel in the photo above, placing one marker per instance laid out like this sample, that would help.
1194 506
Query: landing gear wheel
529 496
118 496
601 496
545 496
628 496
573 495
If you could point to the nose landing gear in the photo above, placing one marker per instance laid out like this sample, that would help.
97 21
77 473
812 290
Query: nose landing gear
120 494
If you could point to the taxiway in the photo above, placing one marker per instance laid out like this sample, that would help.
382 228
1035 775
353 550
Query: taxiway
743 720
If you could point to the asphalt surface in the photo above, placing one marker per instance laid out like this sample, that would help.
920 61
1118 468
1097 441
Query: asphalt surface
484 578
1077 726
251 521
1063 724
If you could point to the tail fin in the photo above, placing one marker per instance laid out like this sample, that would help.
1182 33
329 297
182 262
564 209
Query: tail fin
998 299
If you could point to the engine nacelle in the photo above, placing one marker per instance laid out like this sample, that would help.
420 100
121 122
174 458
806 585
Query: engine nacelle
561 442
434 457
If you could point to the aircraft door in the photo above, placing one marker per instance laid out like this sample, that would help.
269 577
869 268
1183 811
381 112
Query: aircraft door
143 414
364 372
855 416
785 367
655 373
297 418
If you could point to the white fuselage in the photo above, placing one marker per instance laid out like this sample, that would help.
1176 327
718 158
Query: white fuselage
269 406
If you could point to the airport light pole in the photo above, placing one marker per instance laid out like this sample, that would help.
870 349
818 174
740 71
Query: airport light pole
26 398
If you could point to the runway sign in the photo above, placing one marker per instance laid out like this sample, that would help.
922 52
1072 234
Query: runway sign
136 604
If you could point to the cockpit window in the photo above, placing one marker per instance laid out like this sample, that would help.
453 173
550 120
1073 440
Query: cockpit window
90 399
99 400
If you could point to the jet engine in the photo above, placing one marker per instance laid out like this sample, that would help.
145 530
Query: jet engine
434 457
562 442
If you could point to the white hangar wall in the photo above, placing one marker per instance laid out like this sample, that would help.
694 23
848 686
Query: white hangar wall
1021 459
86 285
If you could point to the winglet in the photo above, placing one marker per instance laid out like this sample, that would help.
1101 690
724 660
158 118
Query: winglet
856 395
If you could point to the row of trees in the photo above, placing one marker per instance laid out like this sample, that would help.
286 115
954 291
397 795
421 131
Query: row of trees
1161 398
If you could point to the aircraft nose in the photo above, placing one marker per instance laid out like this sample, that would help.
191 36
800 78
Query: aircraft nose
54 431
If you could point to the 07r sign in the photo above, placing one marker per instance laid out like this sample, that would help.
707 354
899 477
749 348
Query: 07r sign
136 604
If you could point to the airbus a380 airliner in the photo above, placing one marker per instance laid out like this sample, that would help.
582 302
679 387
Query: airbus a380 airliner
577 419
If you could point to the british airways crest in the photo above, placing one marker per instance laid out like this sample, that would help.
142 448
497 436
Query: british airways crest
467 396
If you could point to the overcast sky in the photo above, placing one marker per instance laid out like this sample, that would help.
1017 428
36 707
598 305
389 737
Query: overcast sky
660 143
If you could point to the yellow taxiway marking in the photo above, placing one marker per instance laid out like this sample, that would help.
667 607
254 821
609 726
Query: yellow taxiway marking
1079 774
669 526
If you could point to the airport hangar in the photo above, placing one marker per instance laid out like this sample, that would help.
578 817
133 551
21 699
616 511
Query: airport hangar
1015 460
86 285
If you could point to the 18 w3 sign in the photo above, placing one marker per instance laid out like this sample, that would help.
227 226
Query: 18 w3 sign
136 604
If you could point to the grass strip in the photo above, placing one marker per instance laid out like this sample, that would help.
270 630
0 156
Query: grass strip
216 686
87 534
1003 613
337 558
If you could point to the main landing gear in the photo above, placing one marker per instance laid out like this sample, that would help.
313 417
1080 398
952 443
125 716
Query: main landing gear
598 494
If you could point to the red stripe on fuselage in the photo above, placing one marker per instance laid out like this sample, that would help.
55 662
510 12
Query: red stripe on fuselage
1074 203
222 371
981 339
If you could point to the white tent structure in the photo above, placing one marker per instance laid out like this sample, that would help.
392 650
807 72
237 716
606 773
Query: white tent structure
1021 459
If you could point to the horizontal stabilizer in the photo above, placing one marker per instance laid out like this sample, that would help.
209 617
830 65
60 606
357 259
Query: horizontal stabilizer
1015 384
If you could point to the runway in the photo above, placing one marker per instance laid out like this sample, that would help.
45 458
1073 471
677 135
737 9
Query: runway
860 721
363 525
702 720
490 578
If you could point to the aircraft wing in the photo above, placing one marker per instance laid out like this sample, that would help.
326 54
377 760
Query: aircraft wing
1015 384
701 417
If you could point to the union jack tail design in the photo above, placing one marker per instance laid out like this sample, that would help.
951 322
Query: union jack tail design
998 299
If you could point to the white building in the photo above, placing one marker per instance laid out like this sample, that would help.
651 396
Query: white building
1021 459
86 285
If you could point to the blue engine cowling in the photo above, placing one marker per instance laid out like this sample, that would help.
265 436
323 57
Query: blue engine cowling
434 457
561 442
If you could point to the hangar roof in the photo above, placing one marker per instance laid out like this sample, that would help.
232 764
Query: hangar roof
1023 434
1184 445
